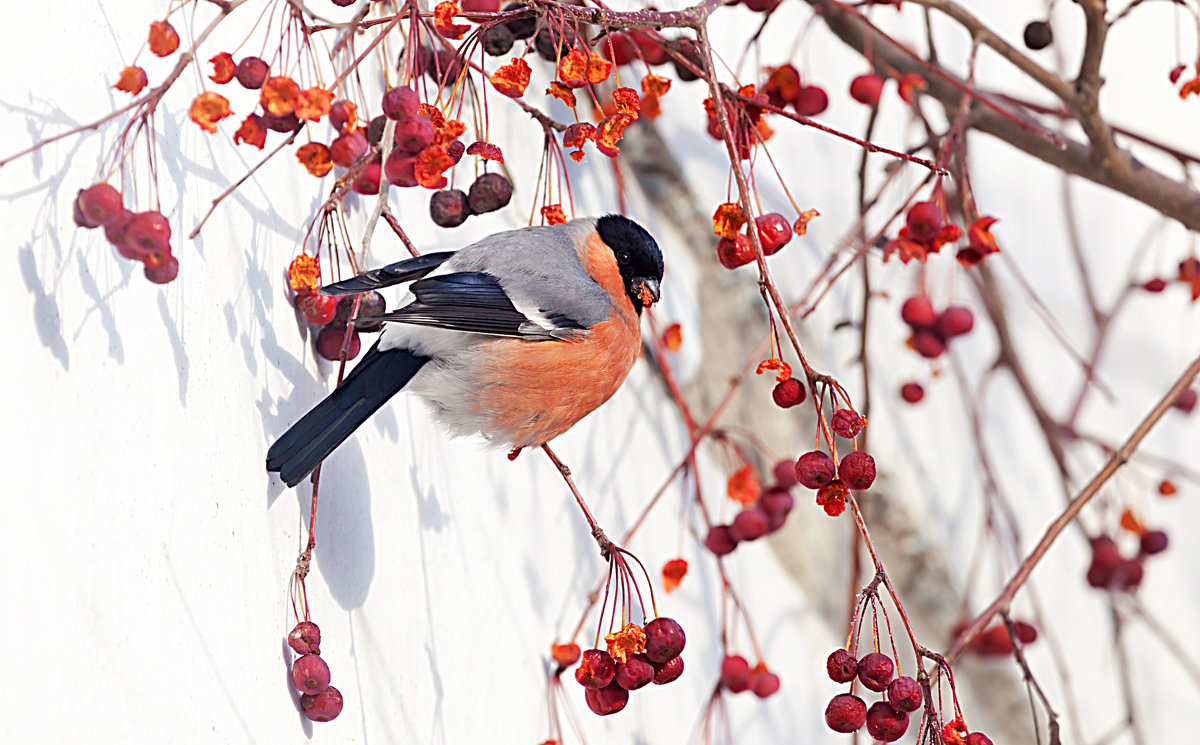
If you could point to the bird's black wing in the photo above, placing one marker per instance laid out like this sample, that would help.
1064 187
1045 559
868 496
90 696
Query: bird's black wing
392 274
476 302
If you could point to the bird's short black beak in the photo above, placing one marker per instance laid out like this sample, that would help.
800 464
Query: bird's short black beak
647 290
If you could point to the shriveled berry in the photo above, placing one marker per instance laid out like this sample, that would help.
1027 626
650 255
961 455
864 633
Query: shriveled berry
866 89
667 672
368 181
904 694
636 671
735 253
310 674
1038 35
846 423
329 343
810 100
918 312
455 150
414 134
161 267
875 671
305 638
1154 542
99 204
319 310
401 103
400 168
764 683
720 540
340 114
348 148
928 344
323 707
846 713
596 669
664 639
449 208
912 392
841 666
251 72
774 232
497 40
789 393
285 124
148 232
490 192
832 497
885 723
608 700
749 525
735 673
955 321
815 469
978 738
857 469
375 130
924 220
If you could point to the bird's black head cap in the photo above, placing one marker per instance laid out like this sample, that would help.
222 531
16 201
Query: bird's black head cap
638 258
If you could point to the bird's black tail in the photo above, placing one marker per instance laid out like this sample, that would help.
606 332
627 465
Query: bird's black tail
375 379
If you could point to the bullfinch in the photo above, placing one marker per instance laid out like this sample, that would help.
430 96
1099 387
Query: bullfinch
515 337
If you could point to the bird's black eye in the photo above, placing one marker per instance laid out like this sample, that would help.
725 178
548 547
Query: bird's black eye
623 257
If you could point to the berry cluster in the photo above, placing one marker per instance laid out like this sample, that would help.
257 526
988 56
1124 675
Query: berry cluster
783 88
144 236
994 641
737 676
635 658
886 720
319 701
932 331
816 470
736 250
925 231
765 514
1110 570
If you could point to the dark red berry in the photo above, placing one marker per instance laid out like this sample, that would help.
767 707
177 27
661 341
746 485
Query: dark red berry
618 48
1026 633
978 738
846 423
370 303
875 671
1154 542
114 231
776 501
735 253
1106 558
498 40
664 639
147 233
323 707
305 638
761 6
310 674
329 343
608 700
912 392
1038 35
846 713
815 469
455 150
774 232
449 208
866 89
251 72
415 134
340 112
521 28
785 474
98 205
720 540
400 168
401 103
319 310
924 220
1154 285
810 100
1129 574
885 723
789 393
857 469
764 683
368 181
668 671
918 312
375 130
749 525
928 344
348 148
286 123
636 671
904 694
689 49
161 267
1186 401
955 321
596 669
841 666
490 192
735 673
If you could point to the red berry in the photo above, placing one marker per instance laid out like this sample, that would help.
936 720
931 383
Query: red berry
928 344
749 525
875 671
785 474
866 88
1129 574
815 469
720 540
846 713
857 469
147 233
251 72
1038 35
978 738
810 100
764 683
114 231
735 673
622 51
912 392
99 204
1186 401
924 220
846 423
607 700
1154 285
415 134
635 672
918 312
310 674
761 6
1106 558
1026 632
449 208
305 638
400 168
832 497
323 707
596 669
776 501
401 103
329 343
904 694
318 309
885 723
652 50
735 253
789 393
161 267
348 148
1154 542
340 113
955 321
368 181
668 671
664 639
455 150
488 193
774 232
841 666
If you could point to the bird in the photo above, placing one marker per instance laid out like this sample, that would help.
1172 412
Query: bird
515 337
